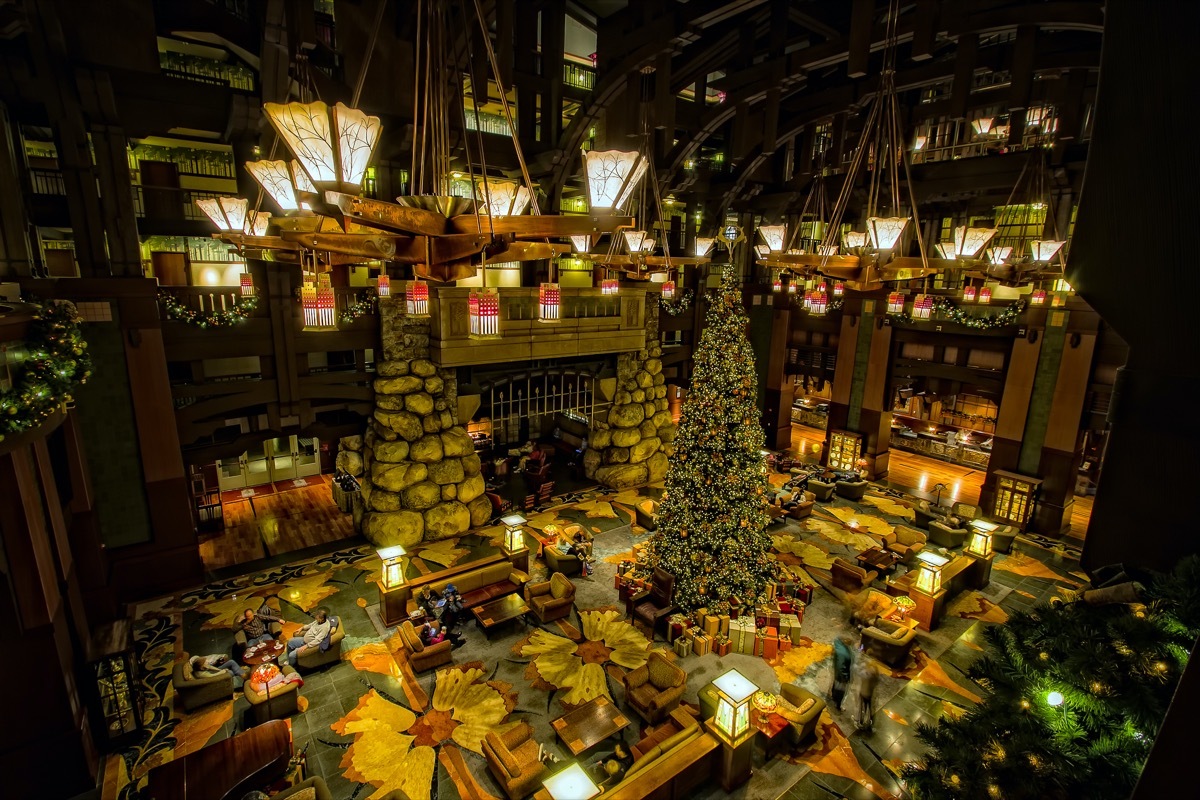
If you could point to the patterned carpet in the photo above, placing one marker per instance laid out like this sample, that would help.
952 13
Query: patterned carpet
369 724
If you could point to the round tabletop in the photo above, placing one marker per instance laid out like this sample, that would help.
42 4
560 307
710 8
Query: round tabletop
262 653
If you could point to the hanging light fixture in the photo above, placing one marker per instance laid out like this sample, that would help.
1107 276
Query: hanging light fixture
1042 250
985 295
923 306
633 241
998 255
276 180
777 283
819 303
855 239
247 282
318 304
827 249
895 303
969 294
549 299
383 287
648 244
945 250
1038 297
774 236
668 289
581 243
885 232
416 298
611 176
791 287
762 250
483 306
704 245
969 241
839 289
983 125
502 198
920 142
227 213
333 146
610 286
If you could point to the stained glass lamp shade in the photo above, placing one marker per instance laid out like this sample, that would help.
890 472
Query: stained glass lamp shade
763 250
634 240
572 783
983 125
969 241
393 566
733 703
885 232
855 239
704 245
774 236
1041 250
998 255
648 244
227 213
611 176
502 198
945 249
334 146
276 181
929 572
549 299
969 294
985 295
256 224
514 536
581 243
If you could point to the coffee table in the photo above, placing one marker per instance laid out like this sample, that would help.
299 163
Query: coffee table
877 558
590 724
497 612
267 651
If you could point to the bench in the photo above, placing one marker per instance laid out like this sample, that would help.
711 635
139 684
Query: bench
478 581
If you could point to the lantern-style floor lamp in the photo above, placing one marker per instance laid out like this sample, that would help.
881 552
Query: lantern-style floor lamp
515 548
393 590
979 549
927 591
731 727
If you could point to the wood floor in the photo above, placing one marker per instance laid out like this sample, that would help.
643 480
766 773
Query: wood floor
919 475
281 522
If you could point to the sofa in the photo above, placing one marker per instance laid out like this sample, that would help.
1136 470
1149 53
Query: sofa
421 656
851 577
802 507
477 581
821 490
655 688
888 641
314 657
925 513
851 490
875 604
904 541
652 606
646 514
965 511
552 599
194 691
674 767
512 758
278 703
678 721
941 534
808 707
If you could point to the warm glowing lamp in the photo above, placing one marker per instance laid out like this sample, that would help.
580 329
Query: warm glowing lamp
969 241
923 306
549 299
998 255
777 283
247 281
668 289
611 175
929 572
393 566
762 250
501 198
648 244
633 241
919 142
483 308
514 534
333 146
383 287
704 245
981 542
733 703
571 783
610 286
983 125
791 287
416 298
895 303
985 295
227 213
839 289
819 303
969 294
276 181
581 243
773 235
1042 251
1038 297
855 239
885 231
945 250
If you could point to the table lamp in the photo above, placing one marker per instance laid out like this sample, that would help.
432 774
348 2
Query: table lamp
733 703
514 535
929 573
571 783
393 566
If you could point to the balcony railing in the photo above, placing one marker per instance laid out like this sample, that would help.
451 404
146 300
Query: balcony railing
170 203
206 299
47 181
578 76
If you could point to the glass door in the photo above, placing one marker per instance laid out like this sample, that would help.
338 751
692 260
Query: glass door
282 458
308 460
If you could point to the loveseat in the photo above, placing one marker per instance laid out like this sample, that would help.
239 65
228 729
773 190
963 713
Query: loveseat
512 758
851 490
552 599
943 535
822 490
925 513
194 691
851 577
655 688
420 655
888 641
477 581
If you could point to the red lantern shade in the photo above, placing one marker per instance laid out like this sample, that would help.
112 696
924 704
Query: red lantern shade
985 295
668 290
968 294
923 306
308 301
326 303
263 674
818 303
1038 297
777 284
839 289
549 299
247 284
416 298
384 286
484 309
895 303
610 286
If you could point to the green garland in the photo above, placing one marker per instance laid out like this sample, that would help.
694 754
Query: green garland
362 305
243 307
678 305
56 364
947 307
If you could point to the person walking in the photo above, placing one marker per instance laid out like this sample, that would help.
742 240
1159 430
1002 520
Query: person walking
843 662
867 677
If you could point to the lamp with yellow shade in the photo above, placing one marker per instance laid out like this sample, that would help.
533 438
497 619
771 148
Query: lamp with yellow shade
929 572
734 692
571 783
514 541
393 591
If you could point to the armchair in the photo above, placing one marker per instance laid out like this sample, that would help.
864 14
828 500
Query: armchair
850 577
552 599
808 708
876 604
924 513
802 507
888 641
423 657
851 490
655 688
821 490
274 628
280 702
905 542
653 605
512 758
194 691
558 561
941 534
1002 538
646 513
310 658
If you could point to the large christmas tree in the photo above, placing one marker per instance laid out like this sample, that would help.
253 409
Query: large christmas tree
1076 692
712 521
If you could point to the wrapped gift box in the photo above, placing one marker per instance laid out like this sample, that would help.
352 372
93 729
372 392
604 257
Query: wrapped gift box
767 616
735 607
721 645
712 625
785 645
766 643
789 628
723 626
770 591
676 624
701 644
741 633
683 646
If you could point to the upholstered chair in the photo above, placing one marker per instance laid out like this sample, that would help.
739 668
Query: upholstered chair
512 758
802 710
655 688
652 606
552 599
420 655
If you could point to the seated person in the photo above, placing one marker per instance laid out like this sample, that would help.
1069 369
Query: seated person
310 636
256 625
581 549
799 484
210 666
432 633
428 600
453 610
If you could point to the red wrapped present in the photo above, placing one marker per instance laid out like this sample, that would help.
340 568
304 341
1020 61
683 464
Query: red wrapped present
770 643
722 645
785 645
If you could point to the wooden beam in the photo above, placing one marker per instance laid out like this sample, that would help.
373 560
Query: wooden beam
1024 53
924 30
964 74
862 21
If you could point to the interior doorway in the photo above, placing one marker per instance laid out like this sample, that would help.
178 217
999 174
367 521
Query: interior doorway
282 458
